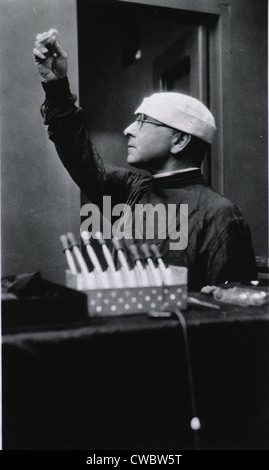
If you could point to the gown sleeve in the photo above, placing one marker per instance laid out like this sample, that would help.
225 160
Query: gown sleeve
67 130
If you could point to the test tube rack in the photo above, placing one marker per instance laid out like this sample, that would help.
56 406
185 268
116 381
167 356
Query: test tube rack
133 300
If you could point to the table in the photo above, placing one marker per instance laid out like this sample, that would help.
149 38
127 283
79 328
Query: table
122 383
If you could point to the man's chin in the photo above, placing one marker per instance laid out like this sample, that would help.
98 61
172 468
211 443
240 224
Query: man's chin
133 159
133 162
137 164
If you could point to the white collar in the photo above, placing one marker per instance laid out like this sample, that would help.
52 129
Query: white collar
169 173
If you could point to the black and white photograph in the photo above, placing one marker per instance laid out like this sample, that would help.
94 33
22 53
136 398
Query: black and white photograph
134 228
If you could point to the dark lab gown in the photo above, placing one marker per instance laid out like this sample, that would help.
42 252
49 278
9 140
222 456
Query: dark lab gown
219 244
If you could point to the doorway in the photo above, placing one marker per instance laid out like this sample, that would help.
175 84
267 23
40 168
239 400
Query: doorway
128 51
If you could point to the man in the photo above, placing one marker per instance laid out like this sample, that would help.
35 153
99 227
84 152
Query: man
169 138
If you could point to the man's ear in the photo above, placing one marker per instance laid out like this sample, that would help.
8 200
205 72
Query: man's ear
179 141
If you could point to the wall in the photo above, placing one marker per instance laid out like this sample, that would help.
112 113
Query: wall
39 200
246 171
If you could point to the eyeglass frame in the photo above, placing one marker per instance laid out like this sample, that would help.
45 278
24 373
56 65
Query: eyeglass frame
141 118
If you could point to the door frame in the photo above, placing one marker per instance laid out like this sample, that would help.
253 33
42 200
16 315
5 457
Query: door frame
219 73
192 45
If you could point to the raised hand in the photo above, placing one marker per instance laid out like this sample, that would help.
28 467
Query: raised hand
50 58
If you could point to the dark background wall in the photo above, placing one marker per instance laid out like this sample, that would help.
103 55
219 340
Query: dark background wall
246 171
39 199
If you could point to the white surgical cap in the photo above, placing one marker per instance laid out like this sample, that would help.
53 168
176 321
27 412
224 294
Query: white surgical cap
181 112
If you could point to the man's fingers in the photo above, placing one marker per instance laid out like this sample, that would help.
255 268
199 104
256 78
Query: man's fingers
53 31
38 54
48 45
43 42
59 50
42 49
49 55
44 37
47 35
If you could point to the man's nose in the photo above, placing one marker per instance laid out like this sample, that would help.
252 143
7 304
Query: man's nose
130 129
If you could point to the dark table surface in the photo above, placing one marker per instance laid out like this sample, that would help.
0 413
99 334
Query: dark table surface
123 382
194 315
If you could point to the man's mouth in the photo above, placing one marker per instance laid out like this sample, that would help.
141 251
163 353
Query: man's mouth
130 144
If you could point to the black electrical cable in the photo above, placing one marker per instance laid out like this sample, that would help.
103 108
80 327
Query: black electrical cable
195 422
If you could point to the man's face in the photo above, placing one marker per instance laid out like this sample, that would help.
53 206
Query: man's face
149 144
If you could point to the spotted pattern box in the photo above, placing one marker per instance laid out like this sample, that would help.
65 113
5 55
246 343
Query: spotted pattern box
127 301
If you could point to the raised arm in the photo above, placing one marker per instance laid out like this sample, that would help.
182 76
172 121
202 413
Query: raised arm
67 127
